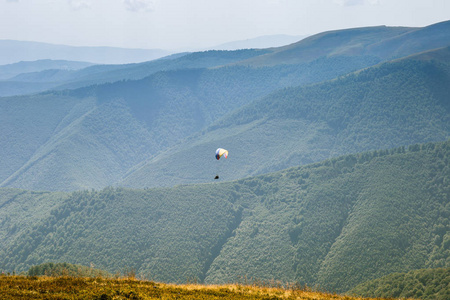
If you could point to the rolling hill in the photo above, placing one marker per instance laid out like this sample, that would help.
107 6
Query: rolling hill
135 124
393 104
14 51
417 284
15 69
338 169
26 77
45 79
103 131
383 42
374 44
332 224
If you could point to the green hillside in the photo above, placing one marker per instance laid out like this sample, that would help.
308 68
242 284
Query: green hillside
389 105
28 122
332 224
417 284
42 79
349 42
112 73
20 210
105 130
92 147
414 41
136 129
384 43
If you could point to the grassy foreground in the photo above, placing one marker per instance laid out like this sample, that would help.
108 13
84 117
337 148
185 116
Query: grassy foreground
43 287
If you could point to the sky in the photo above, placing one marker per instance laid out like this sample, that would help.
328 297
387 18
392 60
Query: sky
195 24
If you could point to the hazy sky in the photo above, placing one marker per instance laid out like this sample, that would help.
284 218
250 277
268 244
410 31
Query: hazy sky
190 24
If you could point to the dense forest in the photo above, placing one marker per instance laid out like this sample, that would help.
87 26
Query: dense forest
128 125
337 176
417 284
101 132
332 224
389 105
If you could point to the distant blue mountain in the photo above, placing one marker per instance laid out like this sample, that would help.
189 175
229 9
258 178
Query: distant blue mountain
14 51
11 70
131 124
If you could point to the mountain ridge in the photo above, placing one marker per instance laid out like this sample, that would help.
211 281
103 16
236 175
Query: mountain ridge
261 42
169 100
380 41
317 129
14 51
14 69
309 224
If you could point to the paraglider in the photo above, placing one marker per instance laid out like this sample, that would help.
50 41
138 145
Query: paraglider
219 154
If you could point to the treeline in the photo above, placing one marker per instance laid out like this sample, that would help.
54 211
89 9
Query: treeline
418 284
356 216
66 269
333 224
152 232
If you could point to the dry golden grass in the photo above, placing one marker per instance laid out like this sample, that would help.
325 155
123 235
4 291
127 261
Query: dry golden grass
42 287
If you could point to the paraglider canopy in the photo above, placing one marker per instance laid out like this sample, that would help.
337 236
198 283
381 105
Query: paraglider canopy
221 152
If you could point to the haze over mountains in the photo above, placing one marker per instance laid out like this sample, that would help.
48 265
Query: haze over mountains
135 129
19 51
363 111
16 51
338 167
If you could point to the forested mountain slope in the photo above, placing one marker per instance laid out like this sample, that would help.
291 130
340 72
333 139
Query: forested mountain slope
334 224
89 146
417 284
90 137
20 210
393 104
382 42
41 80
414 41
27 123
136 131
